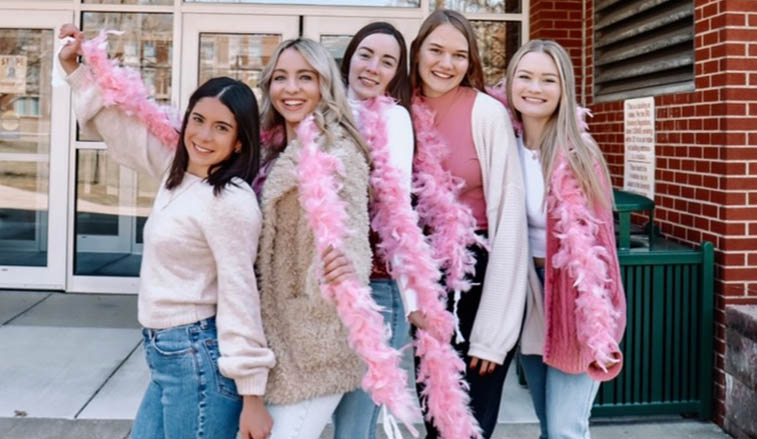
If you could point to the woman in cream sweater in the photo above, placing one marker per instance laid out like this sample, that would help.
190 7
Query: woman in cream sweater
198 301
471 197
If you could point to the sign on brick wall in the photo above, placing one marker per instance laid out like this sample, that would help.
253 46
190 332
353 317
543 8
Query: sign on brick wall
639 140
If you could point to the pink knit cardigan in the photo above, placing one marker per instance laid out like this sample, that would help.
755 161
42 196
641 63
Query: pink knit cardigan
584 301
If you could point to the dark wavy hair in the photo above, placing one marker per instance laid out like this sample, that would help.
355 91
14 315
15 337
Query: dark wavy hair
474 77
240 100
398 87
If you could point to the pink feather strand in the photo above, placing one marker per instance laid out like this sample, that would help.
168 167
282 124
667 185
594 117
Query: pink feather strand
453 227
124 88
402 242
326 213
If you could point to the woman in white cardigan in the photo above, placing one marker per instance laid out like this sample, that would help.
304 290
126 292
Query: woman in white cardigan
471 198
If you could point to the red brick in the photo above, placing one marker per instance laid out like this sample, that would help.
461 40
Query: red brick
727 228
728 49
735 138
738 63
740 183
740 94
741 153
728 198
729 168
737 123
740 5
710 211
753 50
735 244
752 260
741 34
733 274
739 213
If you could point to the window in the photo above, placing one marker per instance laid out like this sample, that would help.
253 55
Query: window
643 48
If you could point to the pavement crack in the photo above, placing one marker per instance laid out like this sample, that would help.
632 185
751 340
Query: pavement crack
112 373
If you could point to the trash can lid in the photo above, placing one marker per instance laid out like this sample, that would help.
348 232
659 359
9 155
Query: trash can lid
630 202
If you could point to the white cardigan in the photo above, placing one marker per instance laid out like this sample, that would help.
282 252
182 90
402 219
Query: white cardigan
498 319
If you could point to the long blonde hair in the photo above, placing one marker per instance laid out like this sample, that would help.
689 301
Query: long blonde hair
562 133
332 110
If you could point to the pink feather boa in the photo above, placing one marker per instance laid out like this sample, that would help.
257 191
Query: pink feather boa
453 227
402 242
124 87
327 216
576 228
586 261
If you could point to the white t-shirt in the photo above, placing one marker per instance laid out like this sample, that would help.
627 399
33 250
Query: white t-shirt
533 178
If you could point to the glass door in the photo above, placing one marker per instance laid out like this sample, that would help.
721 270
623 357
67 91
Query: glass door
33 152
336 32
238 46
112 202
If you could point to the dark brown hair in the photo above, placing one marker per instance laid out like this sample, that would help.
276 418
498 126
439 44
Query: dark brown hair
398 87
238 98
474 77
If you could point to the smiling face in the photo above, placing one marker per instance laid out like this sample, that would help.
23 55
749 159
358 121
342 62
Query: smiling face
210 136
536 86
443 60
294 90
373 66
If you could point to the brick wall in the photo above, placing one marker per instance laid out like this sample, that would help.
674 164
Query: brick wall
706 177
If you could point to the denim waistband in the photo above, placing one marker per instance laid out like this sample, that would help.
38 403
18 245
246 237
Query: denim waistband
204 325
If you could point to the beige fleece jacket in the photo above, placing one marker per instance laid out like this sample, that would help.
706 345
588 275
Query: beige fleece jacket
303 329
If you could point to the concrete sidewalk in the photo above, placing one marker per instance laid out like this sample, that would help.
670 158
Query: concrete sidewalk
72 367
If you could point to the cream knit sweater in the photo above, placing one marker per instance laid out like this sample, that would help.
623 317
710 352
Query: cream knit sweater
199 249
500 313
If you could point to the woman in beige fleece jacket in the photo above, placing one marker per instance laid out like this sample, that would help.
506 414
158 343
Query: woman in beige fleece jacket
315 366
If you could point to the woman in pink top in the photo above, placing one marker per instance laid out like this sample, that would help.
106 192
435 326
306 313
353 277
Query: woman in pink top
576 306
470 194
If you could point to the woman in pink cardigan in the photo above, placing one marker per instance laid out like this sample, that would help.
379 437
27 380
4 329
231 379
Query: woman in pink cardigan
576 311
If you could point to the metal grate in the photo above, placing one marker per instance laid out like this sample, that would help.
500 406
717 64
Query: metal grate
643 48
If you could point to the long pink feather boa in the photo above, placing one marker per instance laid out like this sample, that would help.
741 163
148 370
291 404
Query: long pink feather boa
402 242
586 261
576 228
124 87
327 216
453 227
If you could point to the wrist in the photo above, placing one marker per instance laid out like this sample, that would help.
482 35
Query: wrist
69 66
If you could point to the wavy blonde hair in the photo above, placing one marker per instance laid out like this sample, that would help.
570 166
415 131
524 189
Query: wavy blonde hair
562 132
332 110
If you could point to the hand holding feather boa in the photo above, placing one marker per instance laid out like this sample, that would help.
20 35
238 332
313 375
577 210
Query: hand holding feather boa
402 242
124 88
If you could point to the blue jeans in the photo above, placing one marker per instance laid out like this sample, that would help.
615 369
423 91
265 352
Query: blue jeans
356 415
187 396
562 401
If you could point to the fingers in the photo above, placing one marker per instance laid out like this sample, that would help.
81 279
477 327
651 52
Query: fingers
69 30
487 367
337 274
336 267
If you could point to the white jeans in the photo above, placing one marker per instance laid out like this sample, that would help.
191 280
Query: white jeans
303 420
